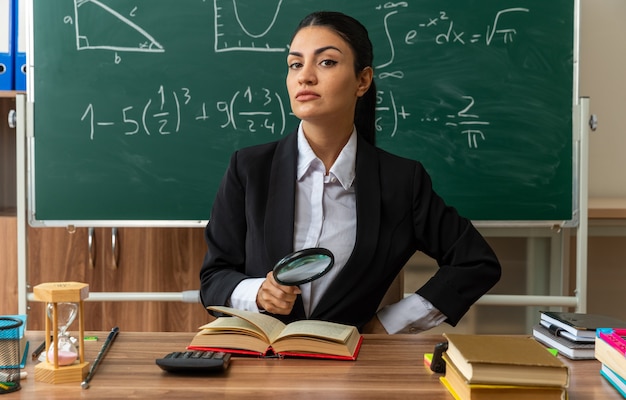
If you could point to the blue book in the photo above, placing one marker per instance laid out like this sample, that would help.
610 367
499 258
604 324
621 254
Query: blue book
614 379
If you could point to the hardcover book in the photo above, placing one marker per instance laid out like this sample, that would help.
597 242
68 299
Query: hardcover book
566 347
609 354
246 332
460 389
579 325
502 359
614 379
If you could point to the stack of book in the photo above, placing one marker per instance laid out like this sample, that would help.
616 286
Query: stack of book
493 367
611 352
572 334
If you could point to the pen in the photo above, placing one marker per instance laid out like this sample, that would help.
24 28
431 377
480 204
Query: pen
38 350
103 350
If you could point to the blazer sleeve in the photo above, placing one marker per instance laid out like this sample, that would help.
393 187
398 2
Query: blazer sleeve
468 267
251 222
224 263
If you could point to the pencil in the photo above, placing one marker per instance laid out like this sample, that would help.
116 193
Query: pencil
103 350
38 350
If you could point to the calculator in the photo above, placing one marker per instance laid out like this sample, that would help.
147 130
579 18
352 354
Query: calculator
196 362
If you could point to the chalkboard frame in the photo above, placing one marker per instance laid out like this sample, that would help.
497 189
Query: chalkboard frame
34 221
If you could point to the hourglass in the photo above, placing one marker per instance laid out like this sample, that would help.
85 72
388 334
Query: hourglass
64 304
67 352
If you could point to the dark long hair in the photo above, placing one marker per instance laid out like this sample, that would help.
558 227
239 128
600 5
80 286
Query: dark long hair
356 35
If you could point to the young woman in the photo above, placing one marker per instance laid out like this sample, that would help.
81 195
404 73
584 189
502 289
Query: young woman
327 185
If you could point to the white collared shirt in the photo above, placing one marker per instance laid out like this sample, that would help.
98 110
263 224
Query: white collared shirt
321 198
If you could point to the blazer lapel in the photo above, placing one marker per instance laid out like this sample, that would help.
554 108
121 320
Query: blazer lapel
367 189
280 208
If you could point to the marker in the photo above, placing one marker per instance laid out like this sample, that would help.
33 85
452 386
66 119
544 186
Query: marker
103 350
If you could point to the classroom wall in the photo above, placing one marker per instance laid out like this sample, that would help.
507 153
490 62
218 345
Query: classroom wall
603 79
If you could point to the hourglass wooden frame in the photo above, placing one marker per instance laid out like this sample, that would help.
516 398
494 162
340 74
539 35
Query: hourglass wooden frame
54 293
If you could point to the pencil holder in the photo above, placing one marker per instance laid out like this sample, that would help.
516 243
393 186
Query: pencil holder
64 304
10 354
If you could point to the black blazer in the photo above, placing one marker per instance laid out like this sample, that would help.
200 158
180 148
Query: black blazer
398 213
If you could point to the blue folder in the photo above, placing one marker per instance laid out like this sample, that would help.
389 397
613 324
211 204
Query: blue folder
6 45
19 34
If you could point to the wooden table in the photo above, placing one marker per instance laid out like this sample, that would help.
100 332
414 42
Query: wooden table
388 367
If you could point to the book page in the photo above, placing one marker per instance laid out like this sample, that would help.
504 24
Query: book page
233 325
322 329
270 326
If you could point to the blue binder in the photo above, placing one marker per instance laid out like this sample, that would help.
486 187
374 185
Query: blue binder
6 45
19 34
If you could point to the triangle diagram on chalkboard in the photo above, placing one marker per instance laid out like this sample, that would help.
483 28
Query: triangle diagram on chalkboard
99 26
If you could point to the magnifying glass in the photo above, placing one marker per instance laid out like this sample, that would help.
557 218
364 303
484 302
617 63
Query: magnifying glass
303 266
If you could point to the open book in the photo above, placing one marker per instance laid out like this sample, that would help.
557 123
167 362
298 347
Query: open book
246 332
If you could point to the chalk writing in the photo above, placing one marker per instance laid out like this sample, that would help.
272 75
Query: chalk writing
239 37
396 112
468 123
252 110
136 120
262 110
135 39
268 114
466 120
452 35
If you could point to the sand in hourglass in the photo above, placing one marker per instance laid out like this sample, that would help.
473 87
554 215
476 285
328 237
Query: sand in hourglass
67 352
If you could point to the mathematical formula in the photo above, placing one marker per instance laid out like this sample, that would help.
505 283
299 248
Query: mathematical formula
250 110
262 110
253 111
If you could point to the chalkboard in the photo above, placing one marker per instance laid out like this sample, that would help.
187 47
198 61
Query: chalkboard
139 105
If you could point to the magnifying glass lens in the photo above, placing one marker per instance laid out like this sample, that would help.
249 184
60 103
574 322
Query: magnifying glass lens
303 266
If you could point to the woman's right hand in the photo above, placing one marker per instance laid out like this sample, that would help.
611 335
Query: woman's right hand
276 298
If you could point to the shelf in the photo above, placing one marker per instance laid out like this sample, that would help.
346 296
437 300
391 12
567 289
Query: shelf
9 93
607 208
8 212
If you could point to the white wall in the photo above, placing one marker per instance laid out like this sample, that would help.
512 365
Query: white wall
603 79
